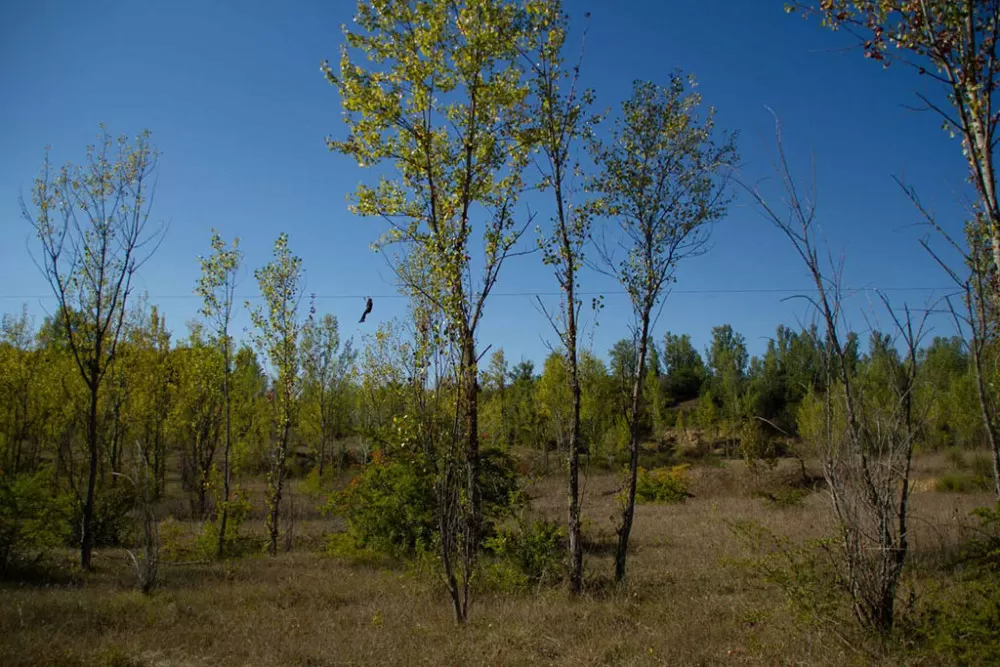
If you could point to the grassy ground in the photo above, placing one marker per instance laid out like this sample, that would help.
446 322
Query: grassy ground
690 600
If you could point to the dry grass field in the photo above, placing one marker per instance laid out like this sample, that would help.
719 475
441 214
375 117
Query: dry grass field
691 599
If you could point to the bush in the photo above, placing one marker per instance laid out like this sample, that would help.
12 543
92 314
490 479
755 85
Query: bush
756 447
113 515
537 550
960 624
664 485
783 496
958 482
33 521
390 504
234 543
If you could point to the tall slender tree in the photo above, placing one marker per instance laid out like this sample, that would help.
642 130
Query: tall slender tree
560 122
217 288
277 335
662 178
325 367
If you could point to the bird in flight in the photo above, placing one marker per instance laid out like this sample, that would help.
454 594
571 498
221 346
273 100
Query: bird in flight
368 309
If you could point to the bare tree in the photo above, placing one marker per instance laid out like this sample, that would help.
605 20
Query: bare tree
977 320
951 44
92 226
868 423
662 178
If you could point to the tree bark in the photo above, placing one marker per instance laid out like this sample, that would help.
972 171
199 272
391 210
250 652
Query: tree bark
224 516
575 538
277 481
87 530
628 512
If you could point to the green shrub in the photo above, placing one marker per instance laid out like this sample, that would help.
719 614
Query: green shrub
783 496
33 521
176 543
984 551
235 543
961 624
757 447
960 482
390 504
314 486
537 550
806 573
664 485
982 466
113 515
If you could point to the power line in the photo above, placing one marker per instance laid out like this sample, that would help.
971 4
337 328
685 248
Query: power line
748 290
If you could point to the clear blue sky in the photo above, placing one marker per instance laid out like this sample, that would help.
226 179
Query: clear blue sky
233 94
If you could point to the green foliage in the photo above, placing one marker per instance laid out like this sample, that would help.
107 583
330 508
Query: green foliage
962 482
113 519
984 551
33 521
805 573
555 400
237 509
683 367
390 505
537 549
707 412
727 363
757 448
959 624
277 330
663 485
783 496
176 543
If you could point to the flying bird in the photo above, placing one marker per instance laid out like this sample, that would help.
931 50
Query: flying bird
368 309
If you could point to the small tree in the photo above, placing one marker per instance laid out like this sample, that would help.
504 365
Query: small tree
661 176
326 368
92 226
217 288
864 425
277 335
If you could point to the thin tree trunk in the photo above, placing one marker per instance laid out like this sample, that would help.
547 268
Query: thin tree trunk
87 530
989 425
628 512
277 480
473 518
575 539
223 518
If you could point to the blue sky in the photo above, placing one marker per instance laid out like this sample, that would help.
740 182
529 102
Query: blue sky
233 94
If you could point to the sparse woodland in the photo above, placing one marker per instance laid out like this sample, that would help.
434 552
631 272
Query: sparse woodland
188 494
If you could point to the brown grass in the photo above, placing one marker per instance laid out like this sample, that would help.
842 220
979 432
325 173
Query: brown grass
688 602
